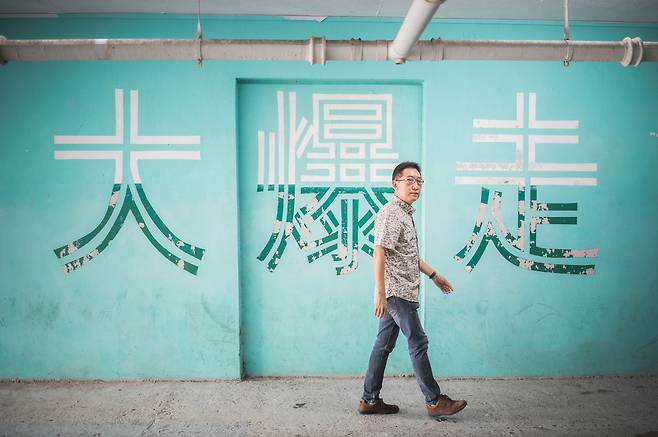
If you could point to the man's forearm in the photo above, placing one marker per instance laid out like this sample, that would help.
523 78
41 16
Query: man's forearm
424 267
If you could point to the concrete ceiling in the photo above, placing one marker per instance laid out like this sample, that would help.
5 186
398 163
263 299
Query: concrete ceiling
628 11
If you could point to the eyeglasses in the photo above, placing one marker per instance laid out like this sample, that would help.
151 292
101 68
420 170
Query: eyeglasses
410 181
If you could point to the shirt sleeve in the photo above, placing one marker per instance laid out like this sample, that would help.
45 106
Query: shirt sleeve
387 229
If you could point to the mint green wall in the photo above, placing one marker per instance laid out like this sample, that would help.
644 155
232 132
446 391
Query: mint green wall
131 313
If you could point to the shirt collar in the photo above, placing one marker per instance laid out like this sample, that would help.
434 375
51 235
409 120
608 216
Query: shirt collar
406 207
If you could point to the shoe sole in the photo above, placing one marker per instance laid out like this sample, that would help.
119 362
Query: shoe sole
378 412
449 414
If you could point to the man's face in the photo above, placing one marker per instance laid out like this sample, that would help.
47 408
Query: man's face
409 192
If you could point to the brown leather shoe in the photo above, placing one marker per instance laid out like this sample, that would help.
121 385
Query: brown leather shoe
379 407
445 407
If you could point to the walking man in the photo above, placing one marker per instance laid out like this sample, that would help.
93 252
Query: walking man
397 268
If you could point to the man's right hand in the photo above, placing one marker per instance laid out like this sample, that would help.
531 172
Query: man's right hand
380 305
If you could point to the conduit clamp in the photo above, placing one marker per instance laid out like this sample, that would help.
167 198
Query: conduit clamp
568 57
357 49
199 53
437 48
317 43
640 52
3 61
199 37
629 50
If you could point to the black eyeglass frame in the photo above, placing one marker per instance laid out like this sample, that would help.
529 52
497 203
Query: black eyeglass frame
410 181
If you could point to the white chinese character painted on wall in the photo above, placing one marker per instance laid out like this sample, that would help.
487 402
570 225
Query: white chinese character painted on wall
128 203
346 156
489 225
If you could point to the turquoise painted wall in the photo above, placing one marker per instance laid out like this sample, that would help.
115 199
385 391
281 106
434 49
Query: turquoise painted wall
133 313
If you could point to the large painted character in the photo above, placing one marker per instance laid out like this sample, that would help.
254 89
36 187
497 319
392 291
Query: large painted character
128 203
489 225
343 191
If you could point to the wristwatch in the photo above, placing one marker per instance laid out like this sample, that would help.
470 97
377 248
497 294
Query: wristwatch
432 275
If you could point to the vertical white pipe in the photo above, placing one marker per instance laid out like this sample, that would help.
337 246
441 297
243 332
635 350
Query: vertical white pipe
566 20
419 15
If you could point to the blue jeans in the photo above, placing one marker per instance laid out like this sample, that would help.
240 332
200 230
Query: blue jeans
401 314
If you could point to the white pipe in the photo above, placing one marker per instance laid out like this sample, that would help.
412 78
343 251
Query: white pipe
320 50
418 17
566 20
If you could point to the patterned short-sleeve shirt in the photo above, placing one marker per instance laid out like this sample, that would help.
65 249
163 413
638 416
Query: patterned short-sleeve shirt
396 233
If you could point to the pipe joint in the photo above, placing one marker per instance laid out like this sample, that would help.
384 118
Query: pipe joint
317 50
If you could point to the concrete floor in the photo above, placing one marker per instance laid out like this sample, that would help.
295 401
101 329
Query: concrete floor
610 406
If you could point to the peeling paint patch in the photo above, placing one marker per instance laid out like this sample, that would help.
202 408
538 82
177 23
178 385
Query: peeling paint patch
129 205
114 198
315 227
512 248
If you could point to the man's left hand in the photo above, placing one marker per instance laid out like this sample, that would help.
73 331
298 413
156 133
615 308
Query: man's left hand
442 283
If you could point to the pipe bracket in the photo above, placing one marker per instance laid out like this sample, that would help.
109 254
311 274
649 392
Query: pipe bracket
437 49
640 51
357 49
628 51
3 61
199 52
319 44
568 57
382 50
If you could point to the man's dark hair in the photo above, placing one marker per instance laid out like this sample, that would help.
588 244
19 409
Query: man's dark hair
397 171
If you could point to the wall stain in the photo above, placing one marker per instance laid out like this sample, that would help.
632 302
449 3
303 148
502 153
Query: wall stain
44 313
225 327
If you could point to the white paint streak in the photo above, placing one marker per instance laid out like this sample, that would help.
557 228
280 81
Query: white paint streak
582 253
342 251
381 172
517 165
564 181
272 158
488 180
116 155
357 172
114 198
281 132
496 212
526 264
329 174
261 157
